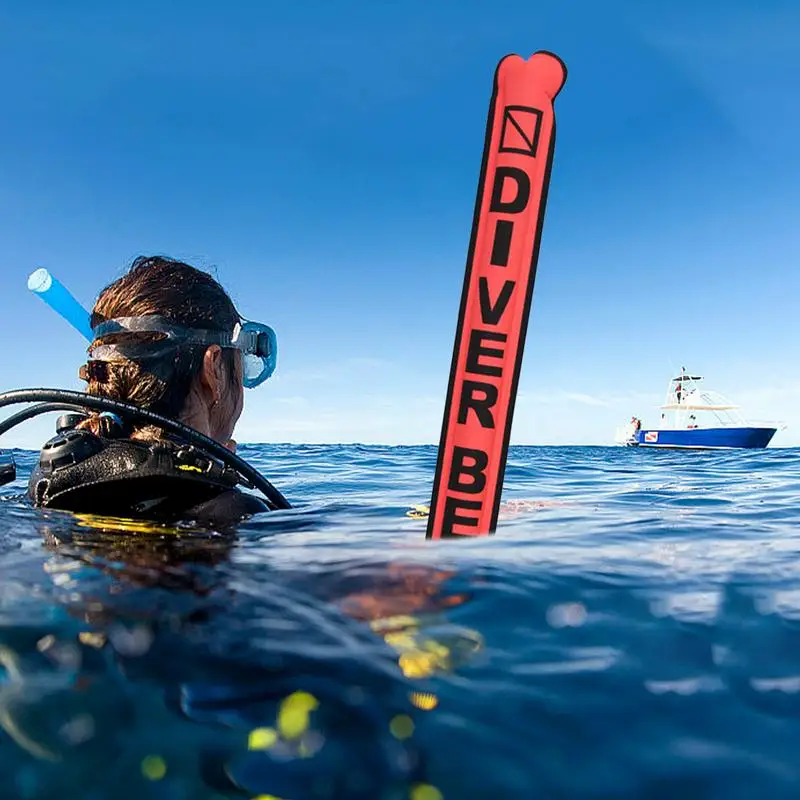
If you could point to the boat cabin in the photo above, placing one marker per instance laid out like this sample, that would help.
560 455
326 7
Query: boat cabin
688 405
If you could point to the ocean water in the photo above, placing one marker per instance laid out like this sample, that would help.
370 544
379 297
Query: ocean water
631 631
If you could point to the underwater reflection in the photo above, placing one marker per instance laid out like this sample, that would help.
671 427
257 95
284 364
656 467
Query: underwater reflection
175 667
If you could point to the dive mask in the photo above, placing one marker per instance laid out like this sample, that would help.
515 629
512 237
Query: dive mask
257 343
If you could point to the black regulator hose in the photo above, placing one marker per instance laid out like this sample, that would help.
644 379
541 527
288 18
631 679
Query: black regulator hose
65 400
34 411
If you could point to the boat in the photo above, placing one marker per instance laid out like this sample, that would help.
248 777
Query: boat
695 418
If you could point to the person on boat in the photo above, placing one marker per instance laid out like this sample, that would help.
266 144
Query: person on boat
679 393
168 339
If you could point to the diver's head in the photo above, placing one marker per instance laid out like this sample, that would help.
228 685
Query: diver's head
144 362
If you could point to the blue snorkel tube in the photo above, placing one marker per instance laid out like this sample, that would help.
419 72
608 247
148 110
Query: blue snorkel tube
53 292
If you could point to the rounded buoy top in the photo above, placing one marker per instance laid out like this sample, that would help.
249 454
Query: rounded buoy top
544 68
552 71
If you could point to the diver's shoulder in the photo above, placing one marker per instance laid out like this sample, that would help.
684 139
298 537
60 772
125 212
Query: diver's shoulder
82 472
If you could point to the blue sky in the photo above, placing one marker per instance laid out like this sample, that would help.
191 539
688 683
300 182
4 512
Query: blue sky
323 159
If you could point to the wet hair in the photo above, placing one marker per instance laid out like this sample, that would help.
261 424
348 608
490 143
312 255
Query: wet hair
187 296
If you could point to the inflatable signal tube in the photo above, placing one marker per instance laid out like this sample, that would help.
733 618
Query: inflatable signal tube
496 297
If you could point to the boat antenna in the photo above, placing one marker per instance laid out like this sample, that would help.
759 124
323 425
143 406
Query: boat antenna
671 367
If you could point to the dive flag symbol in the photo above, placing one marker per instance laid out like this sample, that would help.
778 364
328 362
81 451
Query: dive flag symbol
521 128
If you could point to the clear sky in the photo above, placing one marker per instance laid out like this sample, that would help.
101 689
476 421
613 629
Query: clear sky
323 157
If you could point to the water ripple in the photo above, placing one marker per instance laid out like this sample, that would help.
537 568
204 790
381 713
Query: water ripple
632 630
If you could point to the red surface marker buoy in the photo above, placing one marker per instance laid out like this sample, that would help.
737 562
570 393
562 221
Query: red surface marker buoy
496 298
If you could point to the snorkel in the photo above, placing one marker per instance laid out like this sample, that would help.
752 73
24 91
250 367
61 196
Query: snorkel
53 292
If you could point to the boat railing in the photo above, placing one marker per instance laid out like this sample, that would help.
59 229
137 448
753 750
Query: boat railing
767 423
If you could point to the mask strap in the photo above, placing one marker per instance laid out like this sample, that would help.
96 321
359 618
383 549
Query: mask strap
154 323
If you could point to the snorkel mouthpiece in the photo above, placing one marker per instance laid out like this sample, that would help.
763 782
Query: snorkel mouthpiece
61 301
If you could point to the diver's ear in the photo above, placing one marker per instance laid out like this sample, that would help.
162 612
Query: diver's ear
212 374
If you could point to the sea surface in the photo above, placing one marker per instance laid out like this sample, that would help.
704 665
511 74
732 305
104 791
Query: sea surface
631 631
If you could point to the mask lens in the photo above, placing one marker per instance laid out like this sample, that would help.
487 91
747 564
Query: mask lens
259 354
253 369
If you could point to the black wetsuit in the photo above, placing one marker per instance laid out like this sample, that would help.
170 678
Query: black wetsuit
163 481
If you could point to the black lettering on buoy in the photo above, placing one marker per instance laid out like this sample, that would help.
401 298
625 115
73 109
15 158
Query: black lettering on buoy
501 244
476 350
451 517
520 201
482 406
491 315
476 470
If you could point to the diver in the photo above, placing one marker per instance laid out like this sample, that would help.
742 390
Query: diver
152 437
